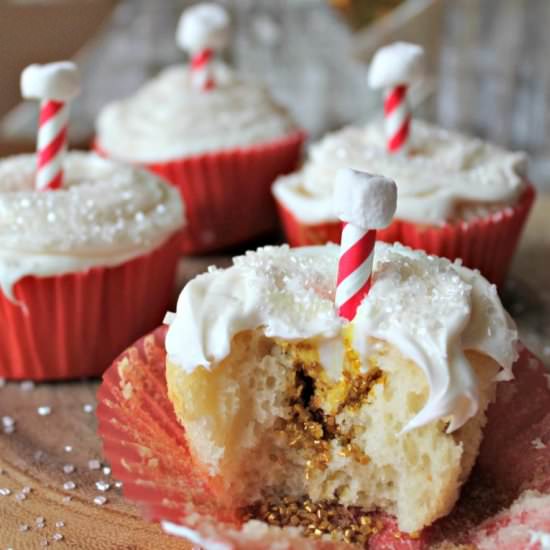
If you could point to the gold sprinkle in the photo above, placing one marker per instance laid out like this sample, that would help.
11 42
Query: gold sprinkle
316 519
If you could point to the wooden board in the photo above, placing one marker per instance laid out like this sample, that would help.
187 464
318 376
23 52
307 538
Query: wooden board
35 454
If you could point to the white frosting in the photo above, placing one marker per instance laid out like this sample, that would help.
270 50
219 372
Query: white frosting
364 200
57 81
105 214
541 537
169 118
203 26
444 173
285 292
398 63
430 309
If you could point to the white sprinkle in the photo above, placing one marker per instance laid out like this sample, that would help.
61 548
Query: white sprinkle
88 408
20 497
59 524
106 470
57 536
68 449
9 429
94 464
27 385
118 484
67 499
4 492
68 468
8 422
102 485
23 528
100 500
538 444
38 455
39 519
26 490
45 410
69 485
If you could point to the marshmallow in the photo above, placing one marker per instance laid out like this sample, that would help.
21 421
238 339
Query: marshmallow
204 26
396 64
57 81
364 200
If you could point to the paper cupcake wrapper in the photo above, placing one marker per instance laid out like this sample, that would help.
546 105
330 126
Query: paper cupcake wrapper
227 195
487 244
74 325
147 450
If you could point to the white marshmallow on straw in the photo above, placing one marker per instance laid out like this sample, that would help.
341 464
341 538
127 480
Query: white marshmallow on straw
365 203
55 84
203 30
393 68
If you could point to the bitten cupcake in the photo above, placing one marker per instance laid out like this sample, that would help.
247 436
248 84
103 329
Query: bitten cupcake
336 380
219 138
88 248
458 196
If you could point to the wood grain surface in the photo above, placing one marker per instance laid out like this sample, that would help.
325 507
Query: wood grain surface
40 451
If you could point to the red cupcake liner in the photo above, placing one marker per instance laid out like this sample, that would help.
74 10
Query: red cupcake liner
487 244
74 325
147 450
227 194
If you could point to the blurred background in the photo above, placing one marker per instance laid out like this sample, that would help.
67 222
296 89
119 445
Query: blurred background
489 70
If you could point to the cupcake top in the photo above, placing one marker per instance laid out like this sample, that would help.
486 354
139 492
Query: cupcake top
445 177
169 118
105 214
428 308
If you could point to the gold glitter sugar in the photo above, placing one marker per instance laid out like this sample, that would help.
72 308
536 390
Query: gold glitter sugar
316 519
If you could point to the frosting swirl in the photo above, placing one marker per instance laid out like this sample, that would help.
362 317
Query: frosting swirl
169 118
445 177
430 309
105 214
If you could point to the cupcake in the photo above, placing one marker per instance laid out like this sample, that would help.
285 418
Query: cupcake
458 196
88 249
219 138
286 406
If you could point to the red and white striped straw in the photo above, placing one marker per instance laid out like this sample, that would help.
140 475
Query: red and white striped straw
55 84
364 203
397 119
51 144
394 68
201 70
354 268
203 30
